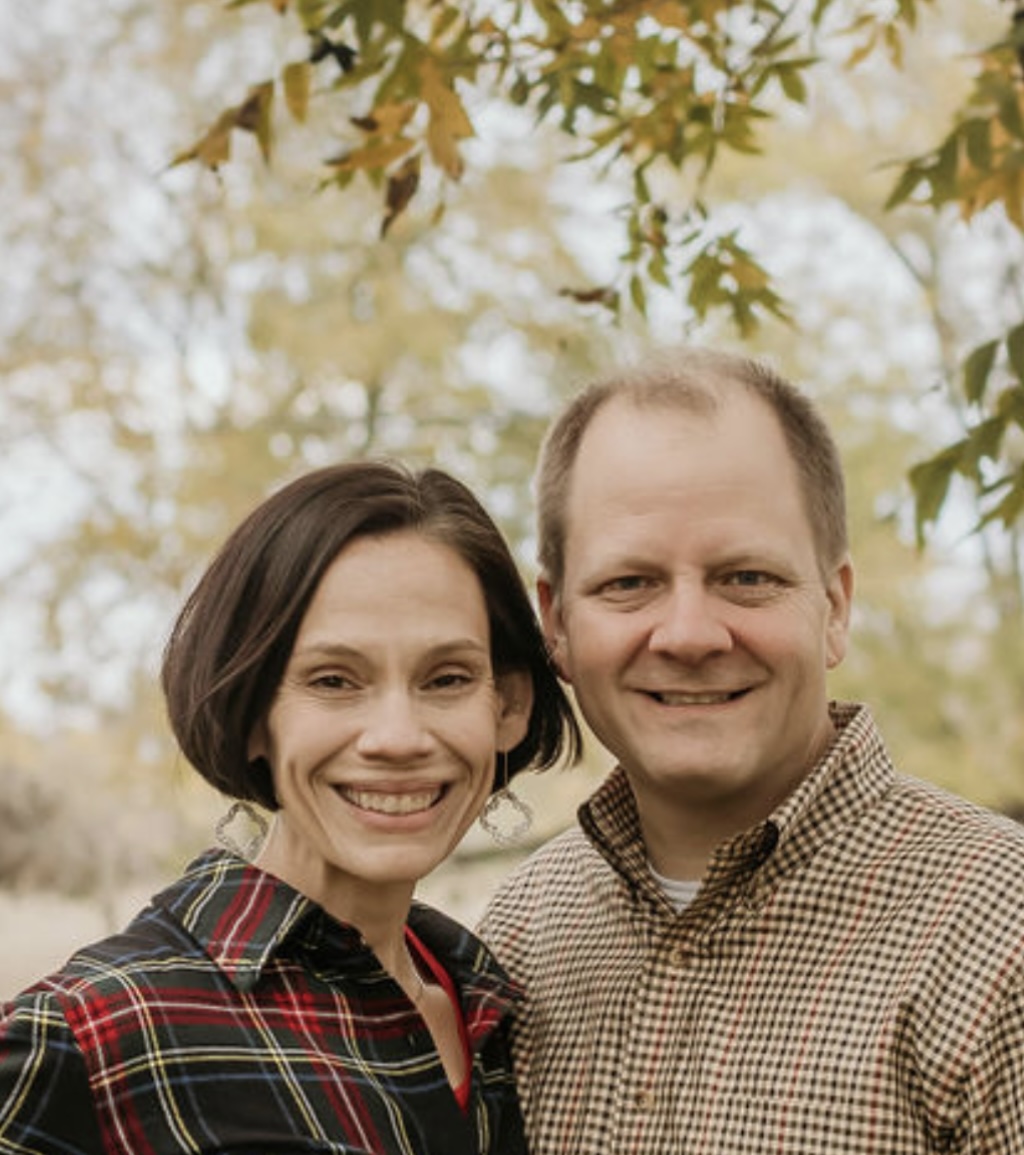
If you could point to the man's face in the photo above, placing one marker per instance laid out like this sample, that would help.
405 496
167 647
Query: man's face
694 622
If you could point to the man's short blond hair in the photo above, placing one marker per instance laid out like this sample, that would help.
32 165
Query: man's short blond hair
699 381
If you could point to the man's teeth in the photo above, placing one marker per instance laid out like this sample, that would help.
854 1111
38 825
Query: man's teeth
693 699
384 803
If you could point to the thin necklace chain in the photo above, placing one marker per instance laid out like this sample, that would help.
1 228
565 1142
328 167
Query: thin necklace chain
420 984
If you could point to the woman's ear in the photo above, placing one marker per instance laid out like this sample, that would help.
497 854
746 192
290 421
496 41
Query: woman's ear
515 701
258 746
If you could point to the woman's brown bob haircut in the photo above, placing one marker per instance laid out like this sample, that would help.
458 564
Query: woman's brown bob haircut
232 640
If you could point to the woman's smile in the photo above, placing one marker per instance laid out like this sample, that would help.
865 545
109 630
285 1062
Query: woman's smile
391 801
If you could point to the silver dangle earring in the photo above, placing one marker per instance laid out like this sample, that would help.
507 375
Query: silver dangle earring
246 846
513 828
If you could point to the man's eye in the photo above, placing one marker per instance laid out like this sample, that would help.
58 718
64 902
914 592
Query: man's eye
749 577
753 584
625 584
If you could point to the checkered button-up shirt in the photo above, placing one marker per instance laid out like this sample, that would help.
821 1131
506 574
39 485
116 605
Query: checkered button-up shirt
848 981
235 1016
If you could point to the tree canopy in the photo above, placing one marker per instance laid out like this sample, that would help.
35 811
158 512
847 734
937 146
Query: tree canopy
174 344
655 93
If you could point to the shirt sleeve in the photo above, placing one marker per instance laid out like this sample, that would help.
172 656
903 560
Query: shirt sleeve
46 1104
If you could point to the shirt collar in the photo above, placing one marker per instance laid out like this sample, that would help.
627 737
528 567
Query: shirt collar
851 775
238 914
486 992
242 917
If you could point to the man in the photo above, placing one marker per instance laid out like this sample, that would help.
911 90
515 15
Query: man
761 939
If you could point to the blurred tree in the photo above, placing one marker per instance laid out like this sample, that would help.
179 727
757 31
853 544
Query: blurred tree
884 304
638 89
164 364
77 821
172 346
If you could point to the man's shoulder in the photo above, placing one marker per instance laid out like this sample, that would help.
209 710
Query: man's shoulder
560 874
962 860
565 856
563 898
955 824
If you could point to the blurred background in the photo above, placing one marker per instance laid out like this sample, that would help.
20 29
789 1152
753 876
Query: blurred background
174 342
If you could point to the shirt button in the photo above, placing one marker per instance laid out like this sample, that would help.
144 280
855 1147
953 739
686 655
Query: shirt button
644 1100
677 956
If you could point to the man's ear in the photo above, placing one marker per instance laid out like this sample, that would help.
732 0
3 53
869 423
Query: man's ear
840 601
554 628
515 701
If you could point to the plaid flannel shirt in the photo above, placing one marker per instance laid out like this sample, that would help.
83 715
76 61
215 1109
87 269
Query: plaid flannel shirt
235 1016
848 981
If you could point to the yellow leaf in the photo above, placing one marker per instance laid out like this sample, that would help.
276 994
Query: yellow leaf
253 115
672 14
214 148
448 120
373 156
387 119
1013 198
296 77
862 51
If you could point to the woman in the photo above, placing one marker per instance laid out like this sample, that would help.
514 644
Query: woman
362 660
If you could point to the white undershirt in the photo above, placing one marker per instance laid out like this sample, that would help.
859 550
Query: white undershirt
679 891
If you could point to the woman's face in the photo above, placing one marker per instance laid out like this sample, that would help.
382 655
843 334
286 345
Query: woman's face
383 732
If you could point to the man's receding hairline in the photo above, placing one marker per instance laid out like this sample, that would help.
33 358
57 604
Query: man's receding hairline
706 400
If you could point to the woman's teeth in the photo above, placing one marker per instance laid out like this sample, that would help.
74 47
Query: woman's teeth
389 803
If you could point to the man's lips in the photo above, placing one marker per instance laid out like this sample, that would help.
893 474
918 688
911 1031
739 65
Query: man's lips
694 698
392 801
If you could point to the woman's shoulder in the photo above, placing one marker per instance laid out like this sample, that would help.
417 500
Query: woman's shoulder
149 942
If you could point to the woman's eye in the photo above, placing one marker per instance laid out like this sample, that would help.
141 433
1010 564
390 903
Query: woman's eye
449 680
331 682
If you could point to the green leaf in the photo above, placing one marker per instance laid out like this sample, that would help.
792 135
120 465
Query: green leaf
982 443
943 174
519 93
930 482
1009 510
296 80
1011 405
793 83
905 186
638 294
1010 115
1015 349
657 270
977 368
978 142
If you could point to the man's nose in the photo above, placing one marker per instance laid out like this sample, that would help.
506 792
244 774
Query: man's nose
690 624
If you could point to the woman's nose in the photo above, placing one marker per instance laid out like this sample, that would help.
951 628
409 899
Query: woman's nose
392 727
